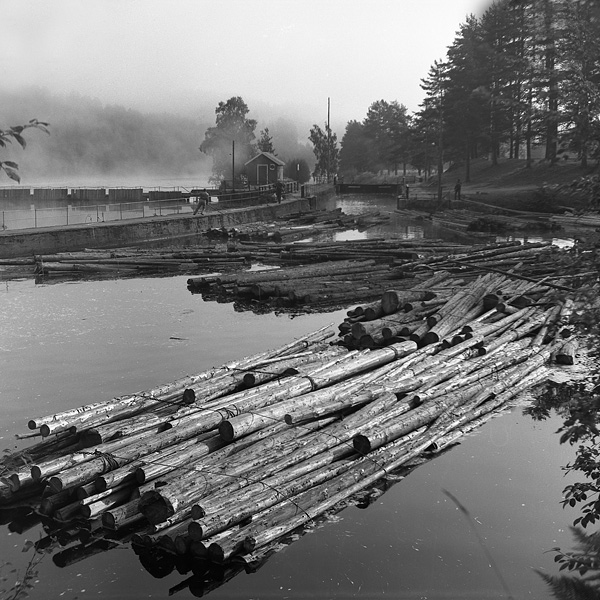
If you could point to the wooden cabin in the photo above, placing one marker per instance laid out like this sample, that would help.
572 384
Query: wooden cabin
264 169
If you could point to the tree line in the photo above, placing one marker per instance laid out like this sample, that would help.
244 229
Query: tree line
523 76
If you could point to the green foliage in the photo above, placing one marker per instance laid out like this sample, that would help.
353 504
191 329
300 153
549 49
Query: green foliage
325 150
526 73
21 586
570 588
383 141
265 142
297 169
355 149
581 412
11 168
231 139
387 131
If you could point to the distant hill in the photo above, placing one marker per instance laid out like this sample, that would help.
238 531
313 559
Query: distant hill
91 142
96 141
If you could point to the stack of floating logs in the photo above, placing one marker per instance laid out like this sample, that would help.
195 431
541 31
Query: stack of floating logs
362 270
299 226
224 463
486 219
442 305
326 275
124 262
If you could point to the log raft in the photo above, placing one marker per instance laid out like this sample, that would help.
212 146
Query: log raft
271 442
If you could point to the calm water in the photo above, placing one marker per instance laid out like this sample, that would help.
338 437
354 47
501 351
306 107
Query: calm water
67 344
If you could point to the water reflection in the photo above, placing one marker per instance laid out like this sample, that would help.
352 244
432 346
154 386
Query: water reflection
74 541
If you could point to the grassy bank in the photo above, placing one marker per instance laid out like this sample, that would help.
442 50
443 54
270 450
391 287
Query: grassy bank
510 184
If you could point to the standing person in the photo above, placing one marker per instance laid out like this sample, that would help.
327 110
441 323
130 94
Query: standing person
406 190
279 191
457 189
203 199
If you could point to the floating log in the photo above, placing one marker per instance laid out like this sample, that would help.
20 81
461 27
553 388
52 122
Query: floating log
566 353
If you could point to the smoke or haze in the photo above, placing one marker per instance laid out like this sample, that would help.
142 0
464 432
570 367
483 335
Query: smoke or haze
117 61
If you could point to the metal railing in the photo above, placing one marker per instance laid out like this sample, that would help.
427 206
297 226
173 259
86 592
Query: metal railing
34 217
86 214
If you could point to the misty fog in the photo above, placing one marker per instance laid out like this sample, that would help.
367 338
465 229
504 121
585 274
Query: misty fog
96 144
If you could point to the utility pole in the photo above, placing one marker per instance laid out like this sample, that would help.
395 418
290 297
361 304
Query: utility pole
233 165
328 141
440 167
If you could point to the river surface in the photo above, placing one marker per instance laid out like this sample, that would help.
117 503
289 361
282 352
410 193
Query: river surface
67 344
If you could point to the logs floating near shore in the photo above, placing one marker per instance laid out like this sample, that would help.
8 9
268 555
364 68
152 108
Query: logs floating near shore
131 262
330 275
327 275
222 464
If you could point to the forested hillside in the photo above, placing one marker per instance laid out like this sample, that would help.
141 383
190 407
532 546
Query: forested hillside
93 142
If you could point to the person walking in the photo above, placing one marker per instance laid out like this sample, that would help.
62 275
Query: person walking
203 199
279 190
457 189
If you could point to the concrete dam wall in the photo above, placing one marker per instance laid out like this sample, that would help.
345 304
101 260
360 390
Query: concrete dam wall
72 238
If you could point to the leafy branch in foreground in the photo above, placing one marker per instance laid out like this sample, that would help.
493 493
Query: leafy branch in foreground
15 133
21 587
585 560
580 409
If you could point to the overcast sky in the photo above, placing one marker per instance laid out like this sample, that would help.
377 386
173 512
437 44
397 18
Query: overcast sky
286 54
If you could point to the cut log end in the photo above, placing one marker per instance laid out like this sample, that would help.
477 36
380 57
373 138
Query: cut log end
189 396
155 508
249 379
140 475
361 444
216 553
108 521
101 484
90 438
195 531
55 483
430 338
182 544
226 431
198 512
490 301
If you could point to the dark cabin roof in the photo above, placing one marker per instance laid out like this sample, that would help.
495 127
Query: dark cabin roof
269 156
